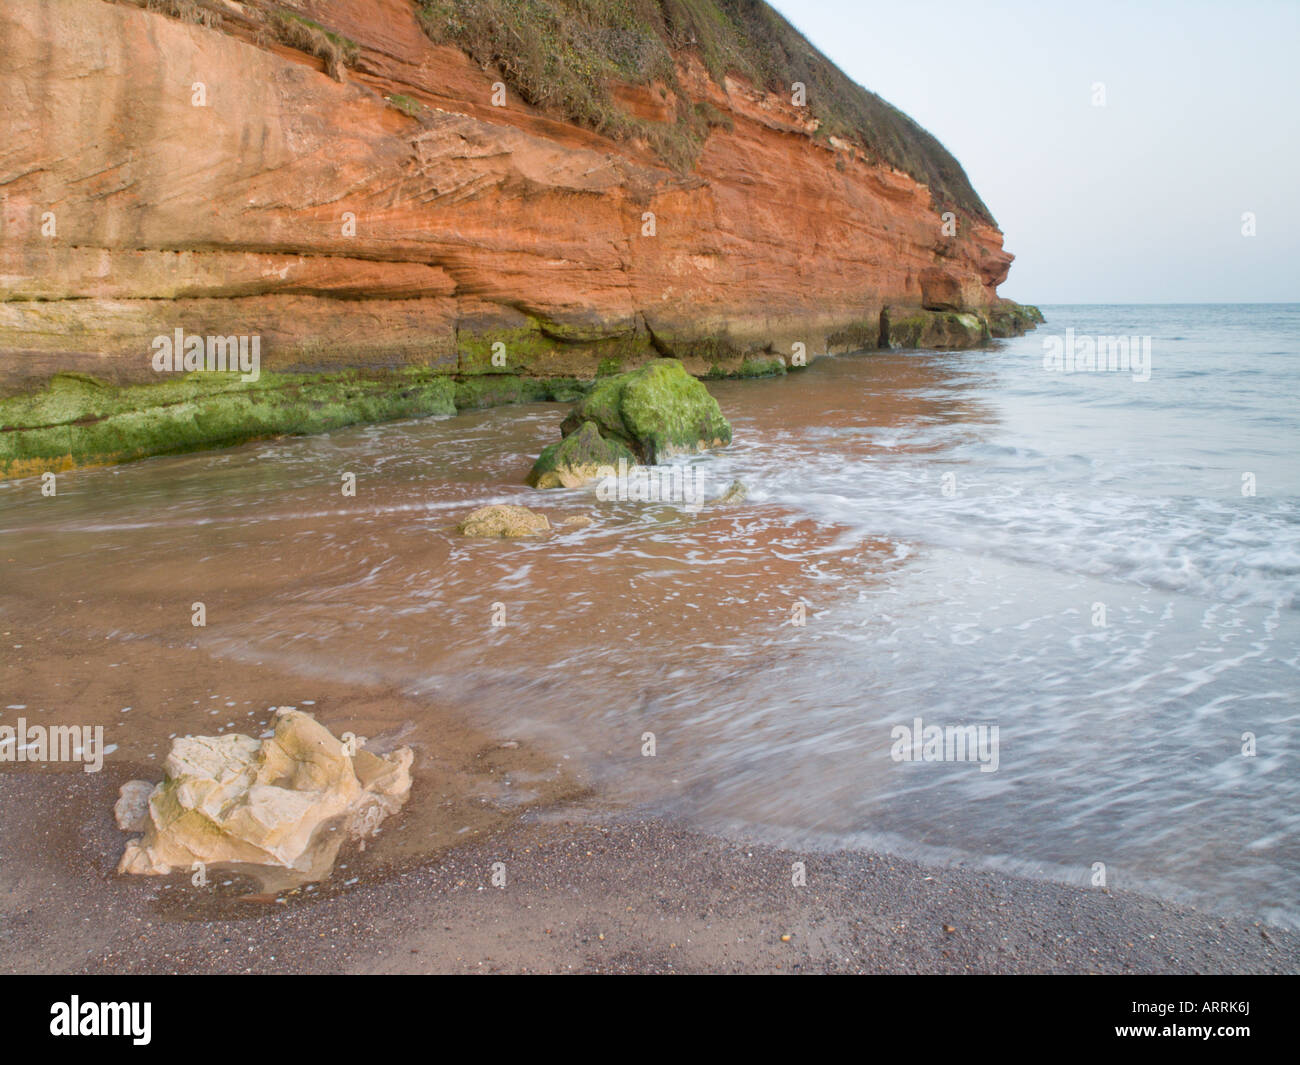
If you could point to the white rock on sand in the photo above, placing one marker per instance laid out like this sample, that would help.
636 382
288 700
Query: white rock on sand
290 801
132 807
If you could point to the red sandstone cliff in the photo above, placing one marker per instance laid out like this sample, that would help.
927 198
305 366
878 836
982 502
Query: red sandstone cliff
128 210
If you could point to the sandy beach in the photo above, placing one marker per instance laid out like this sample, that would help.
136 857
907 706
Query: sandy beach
583 894
588 887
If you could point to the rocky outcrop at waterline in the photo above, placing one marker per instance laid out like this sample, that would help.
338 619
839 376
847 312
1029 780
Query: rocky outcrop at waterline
289 802
380 187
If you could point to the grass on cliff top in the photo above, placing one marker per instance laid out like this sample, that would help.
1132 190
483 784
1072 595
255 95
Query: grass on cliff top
560 55
302 33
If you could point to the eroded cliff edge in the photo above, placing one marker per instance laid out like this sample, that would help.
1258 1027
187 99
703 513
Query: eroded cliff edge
323 175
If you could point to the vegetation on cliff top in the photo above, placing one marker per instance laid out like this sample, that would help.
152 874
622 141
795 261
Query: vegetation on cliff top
562 55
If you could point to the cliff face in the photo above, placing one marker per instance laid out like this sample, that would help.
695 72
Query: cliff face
324 176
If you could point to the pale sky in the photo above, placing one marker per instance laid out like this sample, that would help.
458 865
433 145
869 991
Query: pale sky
1139 201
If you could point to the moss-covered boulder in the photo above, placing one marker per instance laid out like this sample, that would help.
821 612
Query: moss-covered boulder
577 459
655 411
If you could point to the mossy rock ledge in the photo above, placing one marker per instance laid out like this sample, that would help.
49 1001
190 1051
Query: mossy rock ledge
77 420
645 416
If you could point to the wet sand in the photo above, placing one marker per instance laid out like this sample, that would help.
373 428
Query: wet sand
584 892
587 887
466 783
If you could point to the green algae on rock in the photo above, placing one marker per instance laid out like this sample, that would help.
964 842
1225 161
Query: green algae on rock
1013 319
78 420
773 366
495 390
655 411
577 459
750 367
938 329
954 329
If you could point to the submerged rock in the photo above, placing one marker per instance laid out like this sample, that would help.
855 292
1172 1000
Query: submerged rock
655 411
288 802
736 493
750 366
577 459
505 521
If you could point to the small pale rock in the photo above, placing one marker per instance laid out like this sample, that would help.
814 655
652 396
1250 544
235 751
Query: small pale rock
505 521
735 493
132 807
